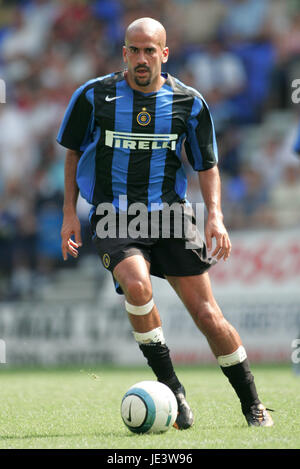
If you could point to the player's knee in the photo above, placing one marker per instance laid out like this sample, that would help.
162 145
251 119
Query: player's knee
138 291
209 319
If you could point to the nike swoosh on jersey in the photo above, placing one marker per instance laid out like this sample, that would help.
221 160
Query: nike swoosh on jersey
108 98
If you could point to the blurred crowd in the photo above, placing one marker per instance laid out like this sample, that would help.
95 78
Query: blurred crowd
242 55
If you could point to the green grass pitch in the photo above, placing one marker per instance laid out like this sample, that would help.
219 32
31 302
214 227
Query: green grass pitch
80 408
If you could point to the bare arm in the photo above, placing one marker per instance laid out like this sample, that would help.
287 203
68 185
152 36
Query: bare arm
71 223
210 185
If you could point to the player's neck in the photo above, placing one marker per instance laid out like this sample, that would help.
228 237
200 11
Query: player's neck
152 88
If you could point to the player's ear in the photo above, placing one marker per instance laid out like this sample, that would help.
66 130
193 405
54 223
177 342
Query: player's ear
165 55
125 54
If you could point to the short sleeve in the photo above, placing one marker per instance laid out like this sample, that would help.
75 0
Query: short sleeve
77 125
200 144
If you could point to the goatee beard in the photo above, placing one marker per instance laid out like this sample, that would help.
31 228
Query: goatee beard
142 83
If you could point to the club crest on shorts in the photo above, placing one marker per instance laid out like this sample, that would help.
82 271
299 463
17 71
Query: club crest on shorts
106 260
143 117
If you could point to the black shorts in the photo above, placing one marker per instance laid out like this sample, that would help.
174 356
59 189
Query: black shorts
175 256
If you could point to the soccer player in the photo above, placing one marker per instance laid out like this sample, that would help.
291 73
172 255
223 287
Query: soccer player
124 134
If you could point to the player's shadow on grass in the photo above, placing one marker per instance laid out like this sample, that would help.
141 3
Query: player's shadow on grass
120 434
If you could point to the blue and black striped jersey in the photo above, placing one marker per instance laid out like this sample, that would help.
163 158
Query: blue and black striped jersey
132 141
297 142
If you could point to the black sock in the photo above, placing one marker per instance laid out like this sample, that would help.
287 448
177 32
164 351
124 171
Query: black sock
242 380
158 358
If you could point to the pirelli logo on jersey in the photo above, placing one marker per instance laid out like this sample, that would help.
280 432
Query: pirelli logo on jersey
140 141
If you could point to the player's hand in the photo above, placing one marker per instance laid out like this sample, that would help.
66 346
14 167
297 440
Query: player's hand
70 227
215 229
